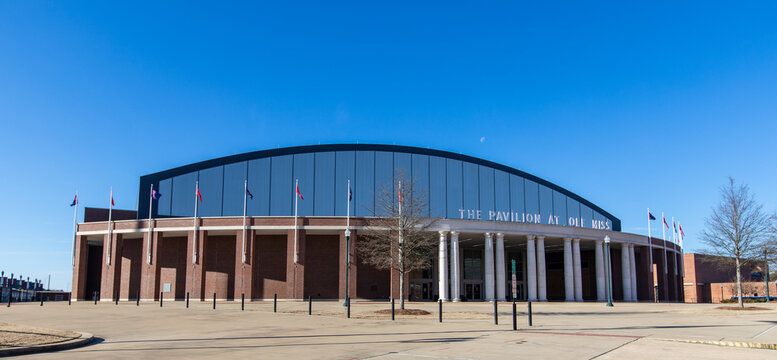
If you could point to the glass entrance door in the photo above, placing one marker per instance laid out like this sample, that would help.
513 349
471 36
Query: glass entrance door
472 290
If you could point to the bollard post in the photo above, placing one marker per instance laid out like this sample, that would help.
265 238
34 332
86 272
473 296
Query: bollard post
9 299
529 313
310 305
515 319
275 303
187 299
41 300
137 299
214 301
440 310
242 301
69 299
496 314
94 296
161 298
392 308
348 305
117 298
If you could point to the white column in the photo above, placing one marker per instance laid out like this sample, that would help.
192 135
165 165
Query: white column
542 293
531 269
455 281
443 267
601 293
626 272
501 282
578 270
569 272
633 272
489 263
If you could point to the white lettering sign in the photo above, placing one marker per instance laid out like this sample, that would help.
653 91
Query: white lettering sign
534 218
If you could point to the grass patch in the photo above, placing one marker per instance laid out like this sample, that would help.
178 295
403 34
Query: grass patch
741 308
404 312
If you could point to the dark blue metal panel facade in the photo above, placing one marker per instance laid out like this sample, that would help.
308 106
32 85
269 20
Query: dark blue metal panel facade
455 186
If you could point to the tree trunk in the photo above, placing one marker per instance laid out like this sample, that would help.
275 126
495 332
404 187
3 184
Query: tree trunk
402 290
739 284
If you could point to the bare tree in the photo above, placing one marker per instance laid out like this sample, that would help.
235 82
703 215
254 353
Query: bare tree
398 234
737 228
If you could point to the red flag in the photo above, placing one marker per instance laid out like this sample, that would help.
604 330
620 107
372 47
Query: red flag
299 194
112 204
199 196
399 192
665 224
681 230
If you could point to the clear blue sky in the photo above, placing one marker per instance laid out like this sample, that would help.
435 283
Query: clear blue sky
628 105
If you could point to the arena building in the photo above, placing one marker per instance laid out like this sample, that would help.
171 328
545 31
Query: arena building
488 215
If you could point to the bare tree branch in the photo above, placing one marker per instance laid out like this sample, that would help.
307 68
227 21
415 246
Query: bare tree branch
737 229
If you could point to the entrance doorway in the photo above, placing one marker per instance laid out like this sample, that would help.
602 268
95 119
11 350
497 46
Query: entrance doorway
472 290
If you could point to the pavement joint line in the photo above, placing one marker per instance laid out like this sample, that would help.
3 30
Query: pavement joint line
579 334
615 348
738 344
765 331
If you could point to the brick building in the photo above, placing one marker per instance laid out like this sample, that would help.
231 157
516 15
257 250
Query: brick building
707 279
488 215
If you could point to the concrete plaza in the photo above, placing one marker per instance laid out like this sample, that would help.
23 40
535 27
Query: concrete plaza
560 331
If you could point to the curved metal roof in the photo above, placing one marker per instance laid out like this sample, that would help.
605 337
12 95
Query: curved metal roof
147 180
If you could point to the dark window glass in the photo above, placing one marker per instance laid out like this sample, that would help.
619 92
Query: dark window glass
486 183
473 265
165 189
211 185
234 186
532 202
502 194
437 185
454 189
384 166
517 201
364 188
402 165
304 165
420 175
470 187
345 162
573 212
325 184
560 207
546 204
281 186
183 195
587 216
259 184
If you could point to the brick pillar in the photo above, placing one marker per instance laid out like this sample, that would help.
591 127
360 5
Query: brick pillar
195 267
111 274
149 273
244 271
351 266
295 273
79 270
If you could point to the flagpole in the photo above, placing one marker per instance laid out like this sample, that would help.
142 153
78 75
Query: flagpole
245 196
150 228
347 240
296 200
663 237
674 241
75 227
110 230
682 262
196 203
650 244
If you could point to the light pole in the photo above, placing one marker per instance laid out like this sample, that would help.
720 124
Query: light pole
766 273
609 270
347 262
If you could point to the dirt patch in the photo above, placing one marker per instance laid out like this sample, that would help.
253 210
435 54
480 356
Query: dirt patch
404 312
16 335
739 308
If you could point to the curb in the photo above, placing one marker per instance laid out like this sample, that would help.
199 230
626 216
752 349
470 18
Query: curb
738 344
85 339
